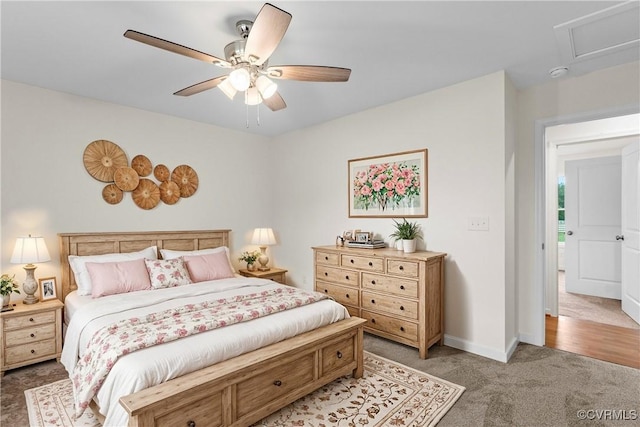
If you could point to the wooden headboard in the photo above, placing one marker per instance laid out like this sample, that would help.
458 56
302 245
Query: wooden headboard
83 244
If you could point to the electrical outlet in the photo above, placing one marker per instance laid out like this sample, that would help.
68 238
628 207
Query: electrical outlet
478 223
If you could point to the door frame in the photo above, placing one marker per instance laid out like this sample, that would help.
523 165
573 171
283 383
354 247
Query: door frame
546 255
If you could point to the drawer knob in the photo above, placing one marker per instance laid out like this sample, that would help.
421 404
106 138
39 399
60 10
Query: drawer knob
373 320
32 335
373 301
347 295
402 307
30 319
402 328
402 287
373 282
352 261
33 351
191 424
346 277
326 258
326 291
339 355
401 268
326 274
277 383
370 264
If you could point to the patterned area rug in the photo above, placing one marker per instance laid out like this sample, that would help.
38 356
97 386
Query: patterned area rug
389 394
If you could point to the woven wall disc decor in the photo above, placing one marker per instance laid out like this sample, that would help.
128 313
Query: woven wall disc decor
146 195
141 164
162 173
169 192
101 159
187 180
126 179
112 194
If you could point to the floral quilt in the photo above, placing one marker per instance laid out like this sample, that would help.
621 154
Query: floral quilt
126 336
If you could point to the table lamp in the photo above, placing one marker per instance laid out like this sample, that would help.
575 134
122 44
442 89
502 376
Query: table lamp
263 237
27 251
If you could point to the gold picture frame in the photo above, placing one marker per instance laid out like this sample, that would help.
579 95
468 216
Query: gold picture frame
389 186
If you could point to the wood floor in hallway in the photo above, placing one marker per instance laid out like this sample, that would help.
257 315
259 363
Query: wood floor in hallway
605 342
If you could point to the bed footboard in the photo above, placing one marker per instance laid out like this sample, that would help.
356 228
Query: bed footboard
247 388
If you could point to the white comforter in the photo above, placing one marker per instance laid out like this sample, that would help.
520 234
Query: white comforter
144 368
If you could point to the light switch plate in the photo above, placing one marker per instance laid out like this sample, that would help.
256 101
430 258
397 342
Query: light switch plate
478 223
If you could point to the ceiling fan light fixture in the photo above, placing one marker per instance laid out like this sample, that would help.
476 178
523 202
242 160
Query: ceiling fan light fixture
252 96
227 88
240 79
266 87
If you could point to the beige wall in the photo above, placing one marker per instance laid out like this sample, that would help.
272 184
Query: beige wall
599 92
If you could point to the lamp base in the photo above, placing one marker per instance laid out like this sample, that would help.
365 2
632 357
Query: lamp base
30 299
30 286
263 259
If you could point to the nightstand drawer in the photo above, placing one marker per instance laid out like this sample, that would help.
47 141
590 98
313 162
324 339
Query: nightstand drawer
256 392
363 263
27 320
29 335
26 352
342 294
390 305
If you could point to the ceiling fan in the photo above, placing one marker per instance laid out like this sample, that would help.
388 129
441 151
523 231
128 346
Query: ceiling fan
248 58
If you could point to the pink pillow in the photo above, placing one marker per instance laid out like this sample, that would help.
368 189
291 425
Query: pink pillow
109 278
208 267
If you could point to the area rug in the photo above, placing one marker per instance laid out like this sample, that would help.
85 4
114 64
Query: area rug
388 394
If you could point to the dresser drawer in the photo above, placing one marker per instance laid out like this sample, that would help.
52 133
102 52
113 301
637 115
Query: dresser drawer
342 294
257 391
391 325
403 268
338 275
402 287
27 320
205 412
390 305
26 352
362 263
336 356
29 335
327 258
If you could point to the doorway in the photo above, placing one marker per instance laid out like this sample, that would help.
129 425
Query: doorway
564 141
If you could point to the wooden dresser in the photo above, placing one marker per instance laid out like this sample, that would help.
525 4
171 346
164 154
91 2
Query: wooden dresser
400 295
30 334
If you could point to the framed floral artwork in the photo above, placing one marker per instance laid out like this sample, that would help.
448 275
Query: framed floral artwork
389 186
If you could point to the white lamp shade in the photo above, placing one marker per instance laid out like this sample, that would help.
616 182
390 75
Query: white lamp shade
227 88
252 96
263 237
266 87
240 79
29 250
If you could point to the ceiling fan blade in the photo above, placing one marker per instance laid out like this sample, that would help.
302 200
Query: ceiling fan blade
175 48
266 33
309 73
275 102
201 87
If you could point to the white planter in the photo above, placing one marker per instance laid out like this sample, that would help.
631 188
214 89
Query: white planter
399 245
409 246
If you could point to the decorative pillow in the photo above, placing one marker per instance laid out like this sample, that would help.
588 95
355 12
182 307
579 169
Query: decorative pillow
169 254
109 278
78 265
208 267
167 273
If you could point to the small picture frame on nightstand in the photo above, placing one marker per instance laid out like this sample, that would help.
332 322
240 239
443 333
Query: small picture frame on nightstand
47 288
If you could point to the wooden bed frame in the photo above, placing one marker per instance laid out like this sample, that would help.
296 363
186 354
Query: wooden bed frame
238 391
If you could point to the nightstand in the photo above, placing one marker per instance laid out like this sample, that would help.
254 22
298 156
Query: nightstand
275 274
31 333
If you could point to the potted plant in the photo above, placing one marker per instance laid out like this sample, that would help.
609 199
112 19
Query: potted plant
250 258
8 285
408 233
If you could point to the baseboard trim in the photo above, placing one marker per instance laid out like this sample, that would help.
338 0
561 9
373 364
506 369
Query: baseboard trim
480 350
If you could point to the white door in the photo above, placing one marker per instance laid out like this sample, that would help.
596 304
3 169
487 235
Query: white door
593 220
630 237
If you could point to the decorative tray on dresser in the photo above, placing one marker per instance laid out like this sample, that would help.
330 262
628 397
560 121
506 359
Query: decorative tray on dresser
399 294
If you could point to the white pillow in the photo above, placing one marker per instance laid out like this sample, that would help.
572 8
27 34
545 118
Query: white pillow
83 279
169 254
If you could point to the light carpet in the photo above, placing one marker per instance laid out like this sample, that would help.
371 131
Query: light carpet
388 394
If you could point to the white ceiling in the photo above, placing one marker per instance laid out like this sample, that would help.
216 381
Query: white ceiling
395 49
